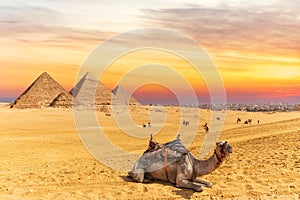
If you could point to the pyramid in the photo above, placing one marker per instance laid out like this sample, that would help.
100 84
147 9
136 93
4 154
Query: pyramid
122 97
63 100
89 92
40 93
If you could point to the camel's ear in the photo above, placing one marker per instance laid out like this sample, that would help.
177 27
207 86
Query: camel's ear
221 142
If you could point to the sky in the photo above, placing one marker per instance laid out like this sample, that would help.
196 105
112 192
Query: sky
254 45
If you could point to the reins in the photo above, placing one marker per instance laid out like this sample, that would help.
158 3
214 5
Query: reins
166 163
219 160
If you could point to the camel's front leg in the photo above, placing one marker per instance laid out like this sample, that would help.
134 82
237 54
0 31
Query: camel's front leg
205 183
189 184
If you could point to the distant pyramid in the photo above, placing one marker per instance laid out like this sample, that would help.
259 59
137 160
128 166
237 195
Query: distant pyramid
40 93
89 92
122 97
63 100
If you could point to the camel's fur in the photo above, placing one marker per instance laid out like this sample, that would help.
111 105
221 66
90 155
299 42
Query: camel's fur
182 168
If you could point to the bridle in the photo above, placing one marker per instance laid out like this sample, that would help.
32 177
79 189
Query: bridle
223 156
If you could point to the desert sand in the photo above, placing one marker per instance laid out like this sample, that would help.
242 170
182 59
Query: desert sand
42 157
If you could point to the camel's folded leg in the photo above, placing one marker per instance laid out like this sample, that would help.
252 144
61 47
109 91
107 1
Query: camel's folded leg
137 173
205 183
189 185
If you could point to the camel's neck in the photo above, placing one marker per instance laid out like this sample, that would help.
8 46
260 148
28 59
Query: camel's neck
203 167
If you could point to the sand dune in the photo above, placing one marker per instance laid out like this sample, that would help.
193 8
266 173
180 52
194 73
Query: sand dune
42 157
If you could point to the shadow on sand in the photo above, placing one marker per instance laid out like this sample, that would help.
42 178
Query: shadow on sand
185 193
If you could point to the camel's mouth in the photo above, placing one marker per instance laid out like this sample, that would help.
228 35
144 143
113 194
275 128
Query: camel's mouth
230 150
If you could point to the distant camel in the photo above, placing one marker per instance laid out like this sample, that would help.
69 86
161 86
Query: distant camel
175 164
248 121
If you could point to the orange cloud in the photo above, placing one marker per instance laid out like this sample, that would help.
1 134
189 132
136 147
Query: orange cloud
256 49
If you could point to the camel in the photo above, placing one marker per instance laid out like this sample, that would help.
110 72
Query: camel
248 121
173 163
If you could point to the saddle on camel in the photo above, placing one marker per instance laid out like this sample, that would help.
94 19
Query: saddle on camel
169 153
172 162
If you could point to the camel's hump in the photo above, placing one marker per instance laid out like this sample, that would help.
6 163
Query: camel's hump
176 145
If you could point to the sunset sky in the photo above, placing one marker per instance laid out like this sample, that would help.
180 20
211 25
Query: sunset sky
255 46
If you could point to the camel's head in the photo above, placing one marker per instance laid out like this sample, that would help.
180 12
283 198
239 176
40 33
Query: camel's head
223 149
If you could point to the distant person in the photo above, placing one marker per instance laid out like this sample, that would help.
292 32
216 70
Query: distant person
186 123
149 124
205 126
249 121
257 121
206 129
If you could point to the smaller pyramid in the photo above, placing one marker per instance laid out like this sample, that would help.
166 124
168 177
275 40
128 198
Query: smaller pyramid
122 97
63 100
90 92
40 93
88 80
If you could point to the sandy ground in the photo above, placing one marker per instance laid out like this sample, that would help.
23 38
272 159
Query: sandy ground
42 157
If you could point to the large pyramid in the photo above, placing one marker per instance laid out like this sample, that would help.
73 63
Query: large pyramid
89 92
122 97
40 93
63 100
